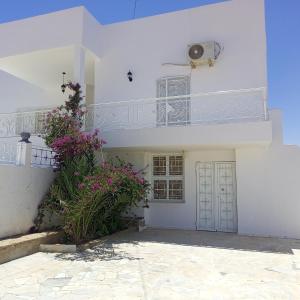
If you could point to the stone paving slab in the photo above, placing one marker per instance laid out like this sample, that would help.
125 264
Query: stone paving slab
160 265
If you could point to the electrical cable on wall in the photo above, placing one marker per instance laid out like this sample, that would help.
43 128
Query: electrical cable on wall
134 9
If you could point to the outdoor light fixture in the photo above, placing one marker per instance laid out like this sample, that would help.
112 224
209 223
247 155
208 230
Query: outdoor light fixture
63 86
129 76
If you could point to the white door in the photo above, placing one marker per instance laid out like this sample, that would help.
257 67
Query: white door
216 196
173 110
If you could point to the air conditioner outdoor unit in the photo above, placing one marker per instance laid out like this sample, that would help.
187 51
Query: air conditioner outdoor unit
204 53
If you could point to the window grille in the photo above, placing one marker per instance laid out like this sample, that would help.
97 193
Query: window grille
167 177
173 110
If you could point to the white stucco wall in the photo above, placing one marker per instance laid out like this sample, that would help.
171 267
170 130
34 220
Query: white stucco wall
268 191
186 137
18 94
21 190
143 45
268 187
54 30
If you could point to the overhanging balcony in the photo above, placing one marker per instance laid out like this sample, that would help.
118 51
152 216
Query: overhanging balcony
225 118
230 118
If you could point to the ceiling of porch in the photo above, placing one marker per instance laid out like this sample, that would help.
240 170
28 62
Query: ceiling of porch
44 68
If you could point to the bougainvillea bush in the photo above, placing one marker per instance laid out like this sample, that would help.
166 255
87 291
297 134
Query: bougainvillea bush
66 119
90 197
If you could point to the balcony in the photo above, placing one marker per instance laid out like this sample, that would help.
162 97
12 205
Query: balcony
224 118
229 118
12 124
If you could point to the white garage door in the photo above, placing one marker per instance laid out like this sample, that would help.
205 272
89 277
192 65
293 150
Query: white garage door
216 196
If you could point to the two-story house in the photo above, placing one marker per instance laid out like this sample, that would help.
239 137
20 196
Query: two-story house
181 95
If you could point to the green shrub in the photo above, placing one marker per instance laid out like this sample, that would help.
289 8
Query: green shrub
89 197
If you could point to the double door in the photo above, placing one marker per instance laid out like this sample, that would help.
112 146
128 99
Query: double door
216 196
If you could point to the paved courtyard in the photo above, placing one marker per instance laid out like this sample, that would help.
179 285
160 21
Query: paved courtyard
161 264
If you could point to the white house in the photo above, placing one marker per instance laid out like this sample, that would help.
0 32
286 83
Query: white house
212 148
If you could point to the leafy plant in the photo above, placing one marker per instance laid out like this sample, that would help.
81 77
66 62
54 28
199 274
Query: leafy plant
66 119
89 197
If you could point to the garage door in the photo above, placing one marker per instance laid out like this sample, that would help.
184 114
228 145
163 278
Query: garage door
216 196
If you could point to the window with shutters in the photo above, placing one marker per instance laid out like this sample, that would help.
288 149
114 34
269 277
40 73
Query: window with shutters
167 177
172 109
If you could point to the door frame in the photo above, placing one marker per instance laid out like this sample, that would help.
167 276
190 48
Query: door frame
215 204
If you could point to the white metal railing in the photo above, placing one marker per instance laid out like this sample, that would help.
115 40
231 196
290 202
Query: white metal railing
42 156
36 155
8 152
205 108
12 124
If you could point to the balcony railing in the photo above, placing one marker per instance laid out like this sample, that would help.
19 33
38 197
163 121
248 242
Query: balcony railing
206 108
8 152
12 124
42 156
11 153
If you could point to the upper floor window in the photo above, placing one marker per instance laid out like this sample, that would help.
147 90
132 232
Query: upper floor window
173 110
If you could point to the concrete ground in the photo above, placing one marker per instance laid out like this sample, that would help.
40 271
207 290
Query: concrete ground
161 264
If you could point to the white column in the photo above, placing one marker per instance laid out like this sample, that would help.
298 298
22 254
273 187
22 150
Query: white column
24 152
147 216
79 68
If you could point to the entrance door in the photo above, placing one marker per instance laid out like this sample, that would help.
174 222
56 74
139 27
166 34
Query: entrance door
216 196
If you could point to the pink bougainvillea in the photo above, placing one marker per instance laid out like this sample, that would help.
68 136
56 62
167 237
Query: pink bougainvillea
91 197
115 178
76 144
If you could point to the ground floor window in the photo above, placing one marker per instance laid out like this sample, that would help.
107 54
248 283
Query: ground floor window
167 177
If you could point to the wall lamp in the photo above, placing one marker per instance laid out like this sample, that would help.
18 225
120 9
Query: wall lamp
130 76
63 86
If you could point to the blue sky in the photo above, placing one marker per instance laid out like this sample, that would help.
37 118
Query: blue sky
283 32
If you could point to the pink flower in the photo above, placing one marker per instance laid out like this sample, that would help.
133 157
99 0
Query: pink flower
109 181
96 186
81 186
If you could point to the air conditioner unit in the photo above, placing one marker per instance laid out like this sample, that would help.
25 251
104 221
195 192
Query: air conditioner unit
204 53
